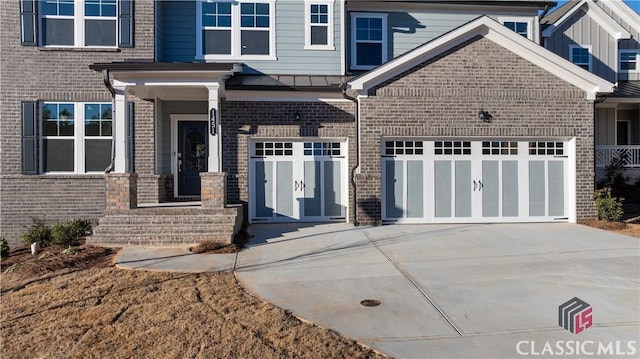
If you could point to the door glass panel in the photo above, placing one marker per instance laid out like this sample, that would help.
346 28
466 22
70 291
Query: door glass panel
463 189
556 188
284 188
509 188
490 189
332 190
393 190
536 188
312 188
415 205
442 195
264 189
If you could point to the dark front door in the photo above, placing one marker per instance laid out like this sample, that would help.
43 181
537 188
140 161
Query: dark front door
192 156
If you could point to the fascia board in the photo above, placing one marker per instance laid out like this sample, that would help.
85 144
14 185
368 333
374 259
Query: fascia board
596 13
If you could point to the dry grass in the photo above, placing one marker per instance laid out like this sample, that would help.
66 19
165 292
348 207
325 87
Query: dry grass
104 312
630 229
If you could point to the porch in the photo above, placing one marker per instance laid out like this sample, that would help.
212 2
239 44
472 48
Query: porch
607 153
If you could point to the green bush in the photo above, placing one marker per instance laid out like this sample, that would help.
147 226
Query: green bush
38 232
59 234
609 208
4 248
614 172
69 233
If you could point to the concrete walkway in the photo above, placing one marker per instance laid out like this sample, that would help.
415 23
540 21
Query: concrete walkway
465 291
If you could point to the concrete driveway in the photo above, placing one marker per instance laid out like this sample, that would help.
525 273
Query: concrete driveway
453 290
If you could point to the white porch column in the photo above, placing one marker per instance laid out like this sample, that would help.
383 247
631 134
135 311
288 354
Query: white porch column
120 131
215 143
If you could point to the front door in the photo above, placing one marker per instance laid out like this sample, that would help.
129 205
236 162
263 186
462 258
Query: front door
192 156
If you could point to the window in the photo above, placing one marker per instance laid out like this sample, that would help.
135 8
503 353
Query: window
581 56
319 25
76 137
629 61
369 40
520 25
546 148
240 29
80 23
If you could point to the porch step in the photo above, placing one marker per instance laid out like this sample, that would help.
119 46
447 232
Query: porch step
167 226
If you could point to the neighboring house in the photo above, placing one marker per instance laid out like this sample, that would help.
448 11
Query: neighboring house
602 37
288 111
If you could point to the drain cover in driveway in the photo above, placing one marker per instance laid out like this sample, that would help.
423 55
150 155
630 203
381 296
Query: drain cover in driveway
370 302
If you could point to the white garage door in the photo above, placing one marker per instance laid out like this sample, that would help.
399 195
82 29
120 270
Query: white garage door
291 181
466 181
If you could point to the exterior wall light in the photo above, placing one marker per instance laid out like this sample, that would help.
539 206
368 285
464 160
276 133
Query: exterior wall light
485 116
297 116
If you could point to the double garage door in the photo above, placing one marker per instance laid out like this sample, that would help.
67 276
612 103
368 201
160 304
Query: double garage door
466 181
298 181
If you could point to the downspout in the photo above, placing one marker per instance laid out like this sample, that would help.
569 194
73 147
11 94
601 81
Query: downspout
107 83
545 11
357 165
599 99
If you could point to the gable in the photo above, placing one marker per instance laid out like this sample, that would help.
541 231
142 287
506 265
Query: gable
477 70
497 34
568 14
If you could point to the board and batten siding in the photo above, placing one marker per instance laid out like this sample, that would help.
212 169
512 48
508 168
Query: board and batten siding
582 30
630 44
178 42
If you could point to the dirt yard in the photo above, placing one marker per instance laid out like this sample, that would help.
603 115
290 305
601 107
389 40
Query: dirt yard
79 306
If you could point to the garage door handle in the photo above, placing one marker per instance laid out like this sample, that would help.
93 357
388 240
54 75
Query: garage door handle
481 185
296 182
475 186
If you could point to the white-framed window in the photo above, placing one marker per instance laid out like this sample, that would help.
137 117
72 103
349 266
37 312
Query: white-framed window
581 56
241 29
79 23
368 40
75 137
629 60
318 25
521 25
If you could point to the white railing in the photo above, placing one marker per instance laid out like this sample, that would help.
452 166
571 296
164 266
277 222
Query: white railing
604 155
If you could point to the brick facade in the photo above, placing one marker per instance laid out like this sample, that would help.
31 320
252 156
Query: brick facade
30 73
442 97
242 121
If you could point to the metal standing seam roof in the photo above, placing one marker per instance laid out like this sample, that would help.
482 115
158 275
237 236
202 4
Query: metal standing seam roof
286 82
627 89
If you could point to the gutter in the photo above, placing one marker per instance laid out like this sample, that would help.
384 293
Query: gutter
107 83
357 165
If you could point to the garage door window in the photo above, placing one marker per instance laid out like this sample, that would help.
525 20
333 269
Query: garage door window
546 148
499 148
403 148
452 148
274 149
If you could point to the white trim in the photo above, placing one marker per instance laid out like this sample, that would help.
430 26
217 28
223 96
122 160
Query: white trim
175 118
588 48
531 31
343 30
330 27
626 13
637 62
236 32
596 13
384 41
499 34
78 27
78 137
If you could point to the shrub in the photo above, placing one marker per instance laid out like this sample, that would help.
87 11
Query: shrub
4 248
38 232
609 208
614 172
69 233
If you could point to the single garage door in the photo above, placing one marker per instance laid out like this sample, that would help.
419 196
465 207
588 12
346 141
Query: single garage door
467 181
291 181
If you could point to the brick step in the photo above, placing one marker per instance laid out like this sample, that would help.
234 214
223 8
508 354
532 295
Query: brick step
167 226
